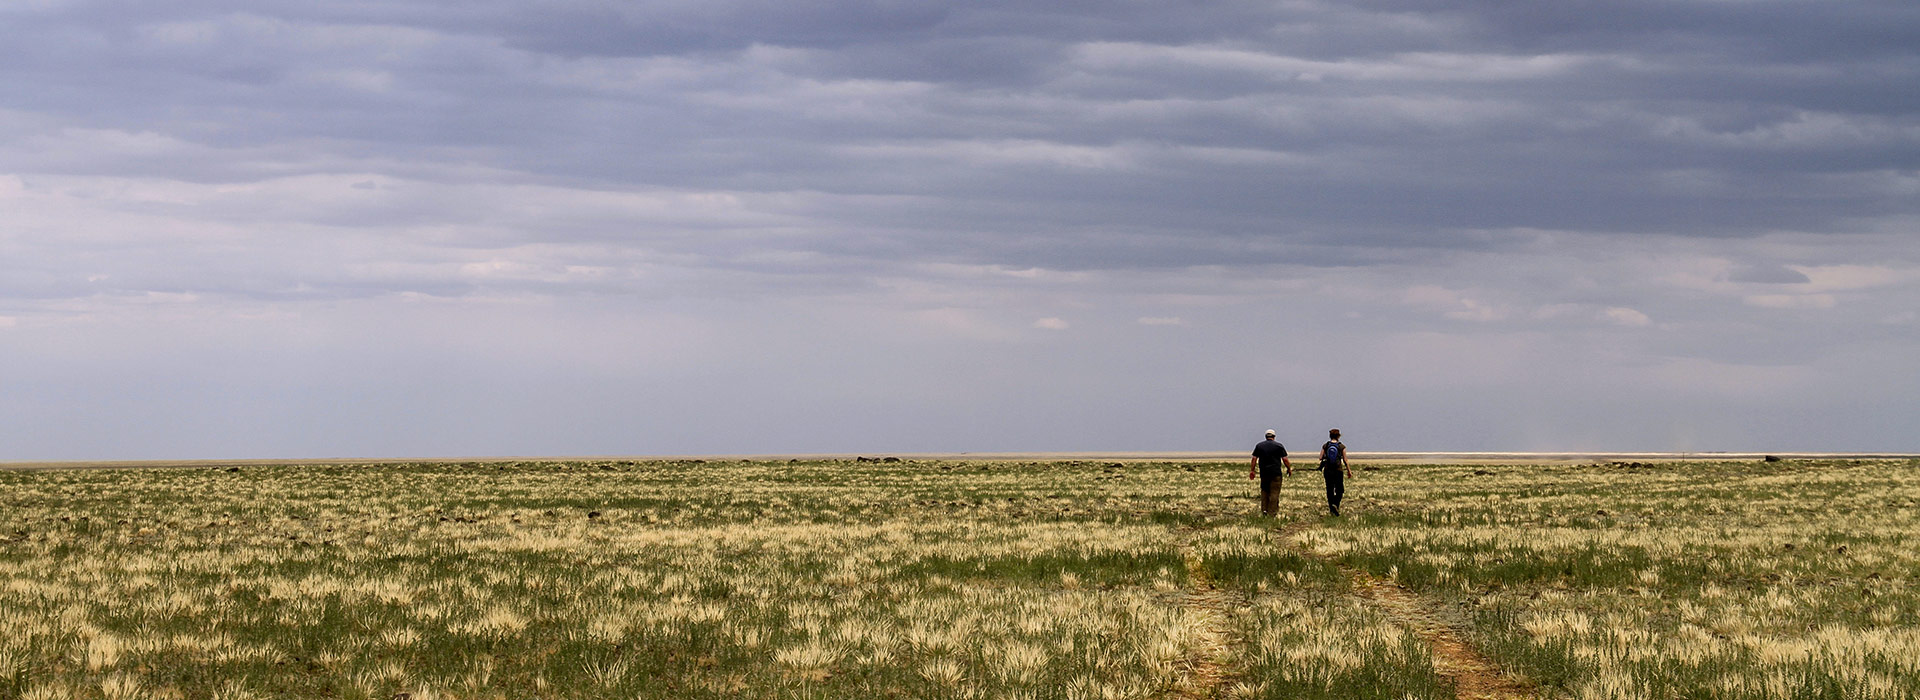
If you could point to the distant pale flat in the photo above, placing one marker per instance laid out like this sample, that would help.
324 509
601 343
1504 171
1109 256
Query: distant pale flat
1235 456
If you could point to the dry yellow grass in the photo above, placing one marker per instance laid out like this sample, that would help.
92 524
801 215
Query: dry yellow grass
953 579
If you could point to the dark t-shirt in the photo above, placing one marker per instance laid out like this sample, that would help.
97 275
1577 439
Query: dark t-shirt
1331 453
1270 453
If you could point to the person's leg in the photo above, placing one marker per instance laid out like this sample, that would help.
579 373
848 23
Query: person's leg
1339 491
1336 488
1269 496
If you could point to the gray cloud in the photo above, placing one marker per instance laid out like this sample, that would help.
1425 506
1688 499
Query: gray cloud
1774 274
1556 207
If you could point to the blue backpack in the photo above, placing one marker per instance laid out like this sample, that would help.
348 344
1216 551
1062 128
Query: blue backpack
1330 454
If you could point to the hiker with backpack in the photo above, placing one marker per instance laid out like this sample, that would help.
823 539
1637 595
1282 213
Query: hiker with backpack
1333 461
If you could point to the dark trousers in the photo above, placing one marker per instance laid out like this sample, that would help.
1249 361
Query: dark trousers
1269 494
1336 487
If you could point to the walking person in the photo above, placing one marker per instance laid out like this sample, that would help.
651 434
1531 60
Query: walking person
1333 461
1269 457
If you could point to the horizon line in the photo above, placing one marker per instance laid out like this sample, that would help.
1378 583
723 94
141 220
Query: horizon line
1401 457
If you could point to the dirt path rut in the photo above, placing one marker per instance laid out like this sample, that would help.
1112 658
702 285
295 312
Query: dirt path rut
1475 676
1208 658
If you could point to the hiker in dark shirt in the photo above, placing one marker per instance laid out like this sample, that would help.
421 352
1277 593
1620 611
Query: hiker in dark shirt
1333 461
1269 458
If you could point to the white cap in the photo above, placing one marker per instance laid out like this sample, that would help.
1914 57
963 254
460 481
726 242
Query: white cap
1269 433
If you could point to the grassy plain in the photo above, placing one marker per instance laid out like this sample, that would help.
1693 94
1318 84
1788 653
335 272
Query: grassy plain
825 579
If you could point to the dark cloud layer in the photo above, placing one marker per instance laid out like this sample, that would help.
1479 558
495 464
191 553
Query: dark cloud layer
1718 195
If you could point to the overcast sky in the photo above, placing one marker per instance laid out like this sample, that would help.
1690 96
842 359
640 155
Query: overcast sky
278 228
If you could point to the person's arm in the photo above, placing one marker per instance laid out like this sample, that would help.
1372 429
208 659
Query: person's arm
1253 468
1343 461
1289 464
